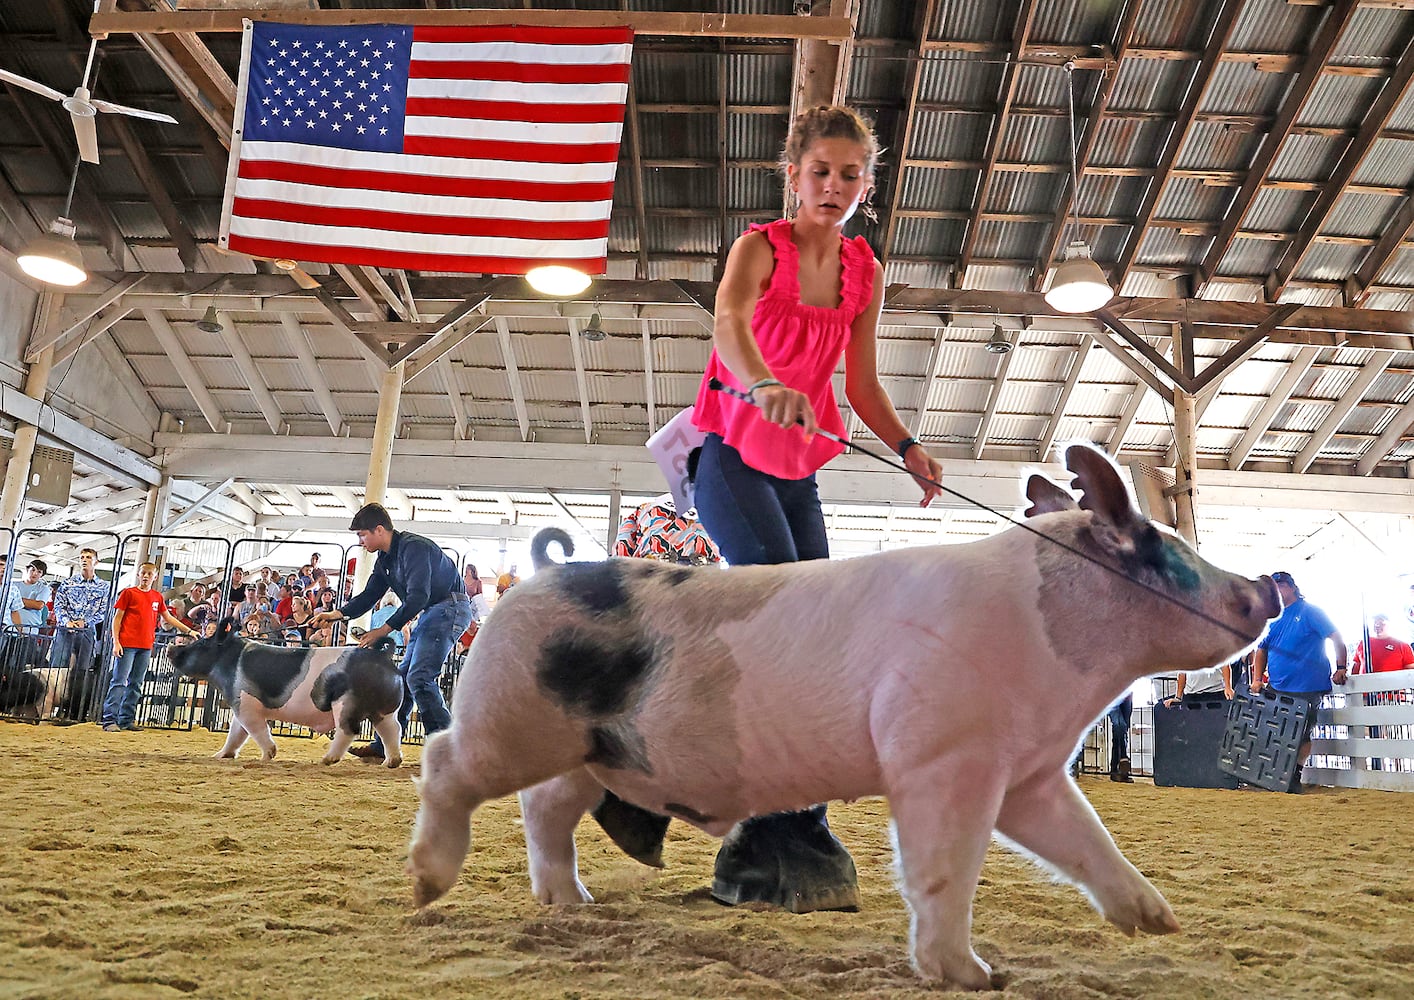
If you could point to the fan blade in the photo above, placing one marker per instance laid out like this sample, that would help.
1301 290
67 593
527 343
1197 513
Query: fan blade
123 109
28 84
87 134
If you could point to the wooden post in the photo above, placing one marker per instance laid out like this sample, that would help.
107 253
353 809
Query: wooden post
380 460
1185 439
154 516
22 448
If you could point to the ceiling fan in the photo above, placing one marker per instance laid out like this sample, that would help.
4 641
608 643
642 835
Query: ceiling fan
82 108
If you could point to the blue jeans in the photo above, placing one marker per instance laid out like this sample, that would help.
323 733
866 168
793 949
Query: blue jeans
437 629
1119 716
757 519
125 688
67 642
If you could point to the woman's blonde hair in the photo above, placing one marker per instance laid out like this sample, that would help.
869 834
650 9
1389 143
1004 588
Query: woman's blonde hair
830 122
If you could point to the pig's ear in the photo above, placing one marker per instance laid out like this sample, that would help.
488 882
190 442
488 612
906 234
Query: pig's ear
224 630
1101 488
1046 497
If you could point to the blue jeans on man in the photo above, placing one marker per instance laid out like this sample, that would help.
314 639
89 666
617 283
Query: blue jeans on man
73 641
436 630
125 689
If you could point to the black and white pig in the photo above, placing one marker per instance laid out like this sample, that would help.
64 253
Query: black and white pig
955 680
329 689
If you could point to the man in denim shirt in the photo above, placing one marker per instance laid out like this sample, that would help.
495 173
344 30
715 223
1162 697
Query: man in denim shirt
429 586
79 605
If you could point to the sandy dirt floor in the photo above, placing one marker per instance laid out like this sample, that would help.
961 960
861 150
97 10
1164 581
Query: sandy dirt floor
136 866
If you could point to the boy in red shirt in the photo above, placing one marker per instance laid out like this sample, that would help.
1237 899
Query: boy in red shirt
138 610
1386 652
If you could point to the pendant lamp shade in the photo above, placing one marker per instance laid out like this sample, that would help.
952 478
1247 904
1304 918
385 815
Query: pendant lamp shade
556 279
54 258
1078 284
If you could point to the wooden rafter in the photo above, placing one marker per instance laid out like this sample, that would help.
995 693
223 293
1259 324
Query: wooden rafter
1094 121
250 371
1334 188
1323 45
157 187
635 153
1296 370
1006 93
903 134
1389 439
1340 409
454 398
724 235
1400 228
186 370
1120 431
299 344
1198 84
994 397
1072 379
580 381
508 359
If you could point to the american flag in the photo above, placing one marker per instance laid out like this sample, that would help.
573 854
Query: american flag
470 149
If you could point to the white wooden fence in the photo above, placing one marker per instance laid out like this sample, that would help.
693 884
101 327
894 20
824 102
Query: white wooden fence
1370 716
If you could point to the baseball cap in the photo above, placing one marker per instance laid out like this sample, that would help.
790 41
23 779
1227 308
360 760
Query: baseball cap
1281 576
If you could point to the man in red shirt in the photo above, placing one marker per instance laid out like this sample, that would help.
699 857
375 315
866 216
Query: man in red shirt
138 609
1386 652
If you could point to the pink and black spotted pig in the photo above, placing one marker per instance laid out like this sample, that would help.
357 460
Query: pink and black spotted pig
716 695
329 689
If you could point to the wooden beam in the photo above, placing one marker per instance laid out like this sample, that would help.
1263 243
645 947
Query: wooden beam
454 398
1072 378
1388 440
1239 352
903 132
581 383
931 370
1135 340
1094 121
157 188
1011 73
508 359
649 392
1296 370
1120 431
1219 38
1340 409
52 335
1399 229
1146 376
1333 189
250 371
95 329
104 23
119 367
635 153
994 396
1322 46
186 371
202 94
197 506
304 354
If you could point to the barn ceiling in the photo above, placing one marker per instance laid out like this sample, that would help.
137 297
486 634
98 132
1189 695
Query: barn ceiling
1246 180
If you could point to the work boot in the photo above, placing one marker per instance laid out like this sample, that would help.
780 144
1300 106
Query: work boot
367 751
790 860
1122 772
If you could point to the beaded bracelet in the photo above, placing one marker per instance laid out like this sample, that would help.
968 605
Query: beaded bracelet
762 384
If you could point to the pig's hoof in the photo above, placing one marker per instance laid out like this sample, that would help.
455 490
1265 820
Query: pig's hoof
223 755
970 973
267 755
393 761
1148 912
330 758
790 860
425 892
638 832
571 893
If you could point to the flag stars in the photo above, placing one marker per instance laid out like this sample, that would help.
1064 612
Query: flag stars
360 130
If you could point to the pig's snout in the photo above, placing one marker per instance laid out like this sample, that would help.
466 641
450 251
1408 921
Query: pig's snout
1271 598
1257 600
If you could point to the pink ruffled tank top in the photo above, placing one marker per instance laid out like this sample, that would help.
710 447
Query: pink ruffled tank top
802 345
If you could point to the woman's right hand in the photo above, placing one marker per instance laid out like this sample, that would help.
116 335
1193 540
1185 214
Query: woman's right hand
785 407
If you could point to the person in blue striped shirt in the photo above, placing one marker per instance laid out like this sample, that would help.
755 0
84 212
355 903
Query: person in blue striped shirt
79 605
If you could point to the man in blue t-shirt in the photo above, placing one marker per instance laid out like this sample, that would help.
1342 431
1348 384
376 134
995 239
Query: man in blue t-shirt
1292 657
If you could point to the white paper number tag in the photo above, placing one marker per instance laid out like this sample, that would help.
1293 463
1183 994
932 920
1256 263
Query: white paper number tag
671 446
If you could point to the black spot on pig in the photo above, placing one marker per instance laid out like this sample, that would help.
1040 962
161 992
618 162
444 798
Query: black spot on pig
591 677
272 674
686 812
677 575
372 680
619 748
598 587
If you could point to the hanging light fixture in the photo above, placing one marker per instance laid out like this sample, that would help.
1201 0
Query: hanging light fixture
594 330
1077 284
55 258
998 343
556 279
209 322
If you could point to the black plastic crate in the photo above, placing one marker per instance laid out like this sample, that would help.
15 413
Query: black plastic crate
1262 739
1188 739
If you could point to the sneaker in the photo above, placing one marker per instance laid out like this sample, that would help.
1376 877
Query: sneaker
111 727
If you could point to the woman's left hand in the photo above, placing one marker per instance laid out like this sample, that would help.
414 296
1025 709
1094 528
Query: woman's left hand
922 464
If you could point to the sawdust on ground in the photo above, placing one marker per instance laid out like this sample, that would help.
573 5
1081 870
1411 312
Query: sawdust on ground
136 866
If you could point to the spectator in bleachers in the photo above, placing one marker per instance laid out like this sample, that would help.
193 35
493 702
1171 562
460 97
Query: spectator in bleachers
236 592
196 593
385 610
79 605
137 613
1292 658
178 607
255 596
1202 685
325 602
506 581
299 617
305 579
314 562
284 607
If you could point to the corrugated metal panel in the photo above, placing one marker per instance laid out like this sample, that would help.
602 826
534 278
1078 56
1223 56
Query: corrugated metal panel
683 235
1014 191
876 77
1277 210
1362 215
1045 87
938 190
756 77
1233 291
1373 34
675 136
1215 146
1239 88
1329 262
686 270
1339 100
756 137
956 78
1400 269
1152 84
919 274
1170 247
1170 24
674 76
1009 240
1403 117
753 189
968 22
1036 138
999 278
1307 158
1191 198
1275 26
1390 161
927 237
1104 196
941 135
1129 142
